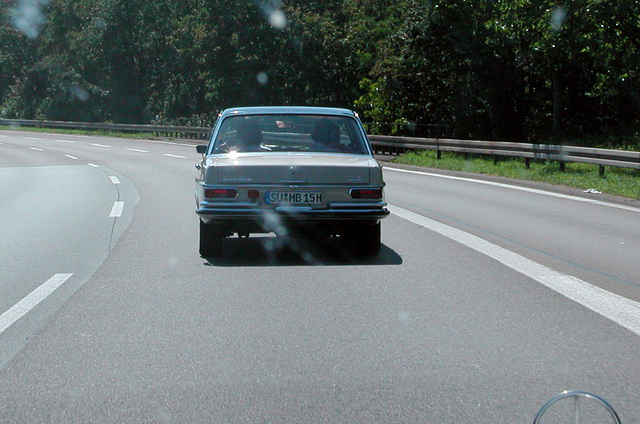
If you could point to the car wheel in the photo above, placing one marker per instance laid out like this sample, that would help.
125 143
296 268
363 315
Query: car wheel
210 240
366 239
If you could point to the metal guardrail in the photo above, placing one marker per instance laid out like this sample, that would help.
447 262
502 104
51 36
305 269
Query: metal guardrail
200 133
561 153
395 145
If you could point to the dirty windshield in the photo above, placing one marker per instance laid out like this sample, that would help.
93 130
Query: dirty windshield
318 211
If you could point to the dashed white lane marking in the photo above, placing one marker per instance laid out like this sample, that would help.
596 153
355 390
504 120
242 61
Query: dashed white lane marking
36 149
513 187
99 145
93 165
66 141
31 138
71 157
622 311
114 180
116 210
30 301
174 156
138 150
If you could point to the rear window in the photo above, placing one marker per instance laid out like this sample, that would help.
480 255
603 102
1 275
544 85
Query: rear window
289 133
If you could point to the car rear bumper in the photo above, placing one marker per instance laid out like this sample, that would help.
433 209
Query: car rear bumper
297 214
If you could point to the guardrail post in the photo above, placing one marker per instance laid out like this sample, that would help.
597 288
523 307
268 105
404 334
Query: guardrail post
527 163
601 170
562 166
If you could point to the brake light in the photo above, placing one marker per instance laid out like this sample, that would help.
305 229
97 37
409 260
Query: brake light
220 193
366 193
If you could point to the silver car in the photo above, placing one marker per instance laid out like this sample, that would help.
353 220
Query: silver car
292 171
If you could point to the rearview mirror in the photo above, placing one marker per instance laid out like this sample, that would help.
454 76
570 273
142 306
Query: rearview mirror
201 148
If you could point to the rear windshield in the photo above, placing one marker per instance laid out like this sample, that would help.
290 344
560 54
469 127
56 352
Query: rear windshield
290 133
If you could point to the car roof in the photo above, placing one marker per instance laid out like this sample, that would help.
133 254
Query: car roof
306 110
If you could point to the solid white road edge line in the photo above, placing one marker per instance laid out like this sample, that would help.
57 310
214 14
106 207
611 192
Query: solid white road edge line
116 210
622 311
31 300
513 187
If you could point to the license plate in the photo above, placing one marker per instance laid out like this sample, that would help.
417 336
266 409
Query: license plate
294 197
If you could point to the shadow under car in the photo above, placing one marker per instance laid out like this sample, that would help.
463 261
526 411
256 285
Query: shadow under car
285 251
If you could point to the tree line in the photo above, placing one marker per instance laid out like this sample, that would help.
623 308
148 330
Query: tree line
491 69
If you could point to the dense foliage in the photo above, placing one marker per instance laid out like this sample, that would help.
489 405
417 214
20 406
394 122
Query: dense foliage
498 69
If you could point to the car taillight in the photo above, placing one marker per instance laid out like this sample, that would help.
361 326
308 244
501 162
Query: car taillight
366 193
220 193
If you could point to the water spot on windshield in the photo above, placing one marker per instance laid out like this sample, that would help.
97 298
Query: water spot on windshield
558 17
27 17
80 93
277 19
404 317
262 78
273 11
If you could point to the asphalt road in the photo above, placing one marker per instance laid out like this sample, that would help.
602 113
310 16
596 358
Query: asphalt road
438 328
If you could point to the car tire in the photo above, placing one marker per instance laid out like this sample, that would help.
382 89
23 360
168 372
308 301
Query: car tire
210 240
366 239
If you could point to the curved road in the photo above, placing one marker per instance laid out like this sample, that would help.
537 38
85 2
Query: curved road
108 314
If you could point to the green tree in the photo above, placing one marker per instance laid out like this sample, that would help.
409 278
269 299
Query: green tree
507 69
426 70
578 60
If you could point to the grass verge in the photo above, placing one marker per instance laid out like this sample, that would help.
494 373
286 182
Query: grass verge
616 181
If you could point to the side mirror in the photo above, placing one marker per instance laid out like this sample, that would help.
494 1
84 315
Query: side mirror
201 148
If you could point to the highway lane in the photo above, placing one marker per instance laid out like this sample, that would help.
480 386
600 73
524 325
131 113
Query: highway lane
50 227
71 214
49 224
431 331
596 242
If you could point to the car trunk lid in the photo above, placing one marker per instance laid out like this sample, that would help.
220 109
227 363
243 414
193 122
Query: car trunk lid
293 169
